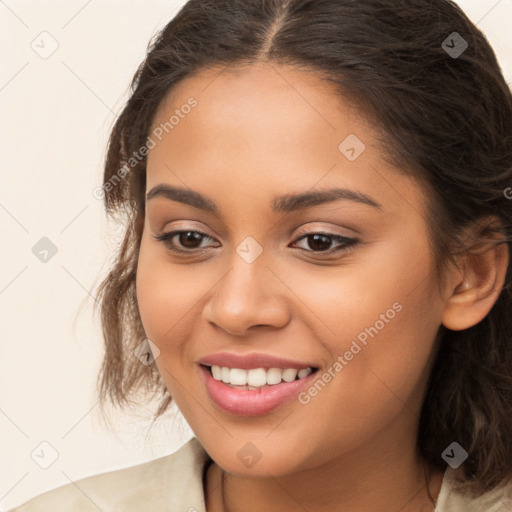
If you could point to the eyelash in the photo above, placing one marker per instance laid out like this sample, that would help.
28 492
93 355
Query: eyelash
348 243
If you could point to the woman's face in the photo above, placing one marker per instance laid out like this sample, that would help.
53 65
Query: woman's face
247 280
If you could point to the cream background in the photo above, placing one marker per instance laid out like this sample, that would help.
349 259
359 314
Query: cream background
56 114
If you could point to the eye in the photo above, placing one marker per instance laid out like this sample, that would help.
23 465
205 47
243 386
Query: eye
191 241
322 242
188 240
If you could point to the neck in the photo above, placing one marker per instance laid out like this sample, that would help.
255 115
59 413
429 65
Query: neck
354 482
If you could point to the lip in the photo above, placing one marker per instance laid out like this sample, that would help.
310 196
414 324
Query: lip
245 402
254 360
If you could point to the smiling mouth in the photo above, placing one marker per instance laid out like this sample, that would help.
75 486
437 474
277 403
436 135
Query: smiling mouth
239 397
257 378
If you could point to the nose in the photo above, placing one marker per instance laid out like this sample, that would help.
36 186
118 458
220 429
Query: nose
248 296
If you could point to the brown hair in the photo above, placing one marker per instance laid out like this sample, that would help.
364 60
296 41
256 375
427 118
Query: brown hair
446 118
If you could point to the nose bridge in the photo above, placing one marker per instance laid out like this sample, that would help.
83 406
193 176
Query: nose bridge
249 294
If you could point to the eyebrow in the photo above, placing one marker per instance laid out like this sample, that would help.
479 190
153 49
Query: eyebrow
285 204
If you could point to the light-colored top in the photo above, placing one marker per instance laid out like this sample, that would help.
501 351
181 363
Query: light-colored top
174 483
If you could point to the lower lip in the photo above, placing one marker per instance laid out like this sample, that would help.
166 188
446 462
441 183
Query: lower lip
246 402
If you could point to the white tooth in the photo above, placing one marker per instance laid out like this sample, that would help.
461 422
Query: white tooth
238 377
257 377
274 375
289 374
225 374
217 372
304 372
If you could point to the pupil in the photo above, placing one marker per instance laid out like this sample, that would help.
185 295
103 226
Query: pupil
188 238
317 242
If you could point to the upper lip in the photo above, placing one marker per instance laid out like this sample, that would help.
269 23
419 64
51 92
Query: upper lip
248 361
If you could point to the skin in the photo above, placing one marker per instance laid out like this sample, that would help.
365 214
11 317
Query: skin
270 130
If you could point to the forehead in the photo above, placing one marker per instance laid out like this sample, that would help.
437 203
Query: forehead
267 128
268 96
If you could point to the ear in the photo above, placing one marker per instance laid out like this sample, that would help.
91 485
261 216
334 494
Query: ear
479 278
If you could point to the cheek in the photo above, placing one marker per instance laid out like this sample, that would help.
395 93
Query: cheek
340 301
380 313
166 299
164 295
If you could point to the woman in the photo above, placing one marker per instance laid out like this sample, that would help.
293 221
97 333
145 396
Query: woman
316 262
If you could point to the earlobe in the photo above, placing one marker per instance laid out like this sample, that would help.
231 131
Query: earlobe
480 280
